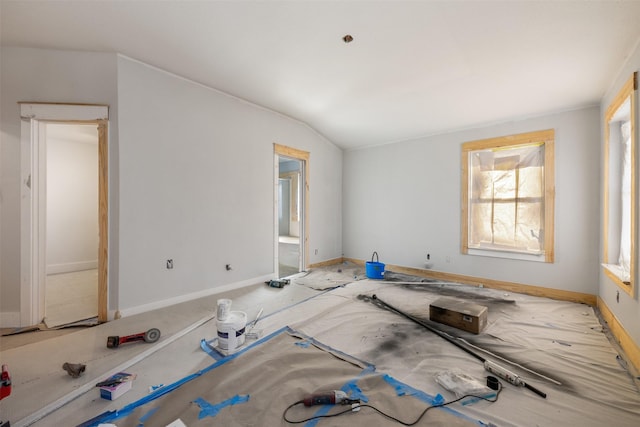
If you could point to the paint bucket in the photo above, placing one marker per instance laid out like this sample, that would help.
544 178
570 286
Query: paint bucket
224 307
231 332
374 269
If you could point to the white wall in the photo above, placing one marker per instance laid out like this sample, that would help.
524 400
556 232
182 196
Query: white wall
627 310
191 177
403 201
39 75
72 200
197 186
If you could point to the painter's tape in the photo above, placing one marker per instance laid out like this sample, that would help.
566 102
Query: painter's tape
350 386
209 348
209 410
352 390
127 410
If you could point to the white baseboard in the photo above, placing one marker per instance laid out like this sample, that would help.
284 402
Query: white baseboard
10 319
189 297
70 267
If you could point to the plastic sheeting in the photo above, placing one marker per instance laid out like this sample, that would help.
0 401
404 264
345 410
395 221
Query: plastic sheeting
253 388
563 342
507 198
558 347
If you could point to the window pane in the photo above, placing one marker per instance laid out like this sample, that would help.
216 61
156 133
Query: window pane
531 182
529 233
504 224
507 198
480 229
504 184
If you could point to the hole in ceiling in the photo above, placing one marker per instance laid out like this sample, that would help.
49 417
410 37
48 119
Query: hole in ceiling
347 38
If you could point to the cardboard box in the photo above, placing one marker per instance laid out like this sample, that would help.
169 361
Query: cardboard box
115 391
460 314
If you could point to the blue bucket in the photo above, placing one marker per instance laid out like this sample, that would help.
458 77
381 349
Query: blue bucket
374 269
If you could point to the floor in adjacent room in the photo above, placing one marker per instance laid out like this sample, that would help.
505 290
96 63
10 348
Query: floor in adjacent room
337 337
71 297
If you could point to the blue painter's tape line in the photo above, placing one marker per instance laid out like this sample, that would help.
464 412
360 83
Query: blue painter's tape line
209 348
128 409
209 410
303 344
352 390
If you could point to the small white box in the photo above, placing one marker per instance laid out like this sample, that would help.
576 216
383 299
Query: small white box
117 390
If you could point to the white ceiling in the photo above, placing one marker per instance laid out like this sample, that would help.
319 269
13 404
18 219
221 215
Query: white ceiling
414 68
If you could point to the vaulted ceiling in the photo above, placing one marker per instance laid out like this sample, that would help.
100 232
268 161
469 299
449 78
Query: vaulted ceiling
414 68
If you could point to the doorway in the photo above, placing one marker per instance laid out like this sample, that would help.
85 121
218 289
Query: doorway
71 212
291 224
64 213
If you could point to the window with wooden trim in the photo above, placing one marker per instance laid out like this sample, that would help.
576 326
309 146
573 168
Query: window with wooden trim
508 196
619 258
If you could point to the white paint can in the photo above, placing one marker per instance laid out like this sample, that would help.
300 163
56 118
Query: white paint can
231 332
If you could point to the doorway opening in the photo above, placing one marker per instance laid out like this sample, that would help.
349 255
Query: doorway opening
64 214
71 212
291 191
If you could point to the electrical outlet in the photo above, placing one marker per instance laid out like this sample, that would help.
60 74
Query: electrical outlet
169 264
428 264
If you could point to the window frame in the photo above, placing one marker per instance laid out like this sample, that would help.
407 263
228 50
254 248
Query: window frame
547 138
627 92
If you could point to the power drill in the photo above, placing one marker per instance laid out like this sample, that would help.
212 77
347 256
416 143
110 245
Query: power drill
333 397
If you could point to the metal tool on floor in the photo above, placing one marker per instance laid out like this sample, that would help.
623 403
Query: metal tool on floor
74 369
116 379
253 333
490 366
278 283
151 336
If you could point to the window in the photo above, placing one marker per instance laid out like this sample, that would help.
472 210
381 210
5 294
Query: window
508 196
619 188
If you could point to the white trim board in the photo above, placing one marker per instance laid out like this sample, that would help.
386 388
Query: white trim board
71 267
63 112
126 312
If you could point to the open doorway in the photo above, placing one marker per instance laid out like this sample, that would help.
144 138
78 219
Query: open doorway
71 211
291 224
64 212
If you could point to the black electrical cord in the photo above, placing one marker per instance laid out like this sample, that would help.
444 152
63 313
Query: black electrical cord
284 414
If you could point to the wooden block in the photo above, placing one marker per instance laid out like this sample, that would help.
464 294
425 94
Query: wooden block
460 314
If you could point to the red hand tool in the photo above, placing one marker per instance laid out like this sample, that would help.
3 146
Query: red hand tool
152 335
